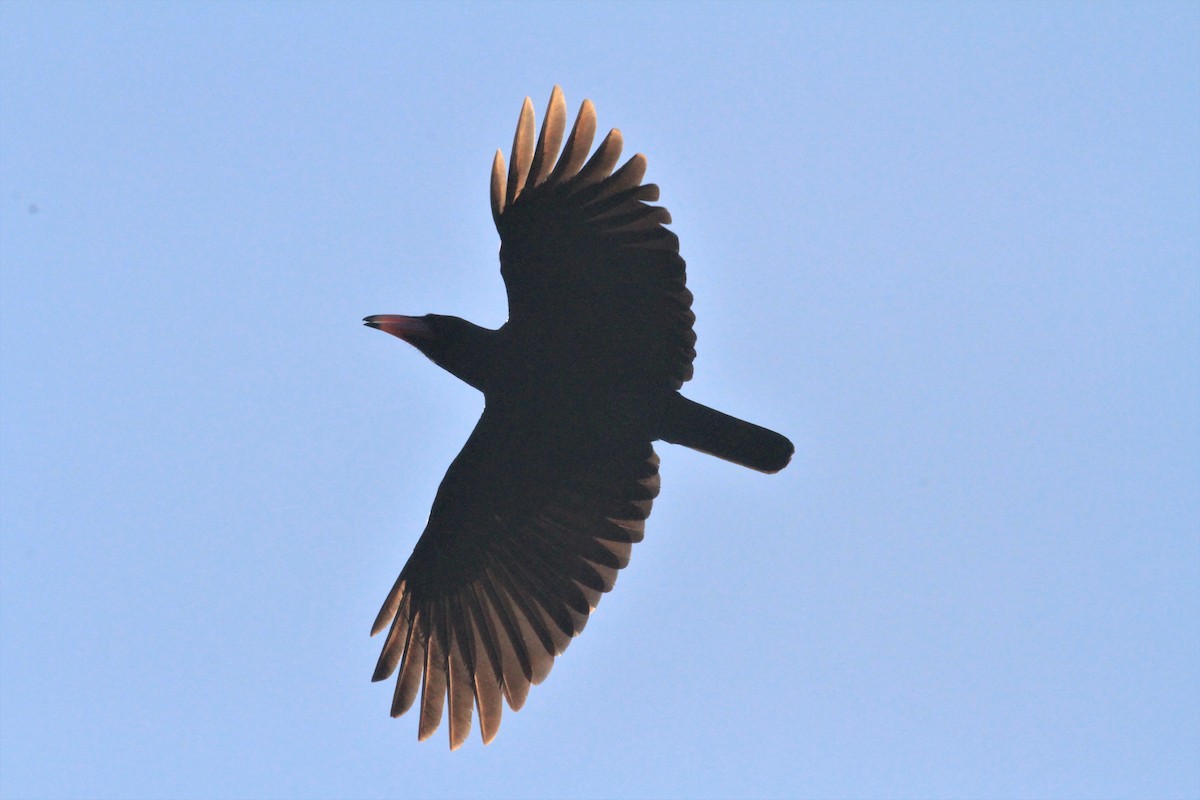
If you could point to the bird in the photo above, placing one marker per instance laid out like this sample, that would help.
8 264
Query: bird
541 508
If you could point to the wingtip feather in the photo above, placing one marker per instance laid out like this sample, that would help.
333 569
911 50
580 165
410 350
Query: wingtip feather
578 144
497 189
387 612
522 152
550 139
600 165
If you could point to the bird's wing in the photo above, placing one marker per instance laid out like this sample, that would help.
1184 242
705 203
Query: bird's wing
589 268
528 529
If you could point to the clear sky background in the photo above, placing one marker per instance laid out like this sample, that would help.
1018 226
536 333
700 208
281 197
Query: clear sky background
951 250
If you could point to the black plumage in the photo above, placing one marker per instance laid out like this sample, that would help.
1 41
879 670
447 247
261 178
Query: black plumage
542 507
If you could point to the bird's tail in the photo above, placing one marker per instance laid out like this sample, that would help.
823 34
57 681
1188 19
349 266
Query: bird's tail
705 429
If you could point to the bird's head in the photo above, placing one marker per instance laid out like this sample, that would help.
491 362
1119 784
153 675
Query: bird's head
457 346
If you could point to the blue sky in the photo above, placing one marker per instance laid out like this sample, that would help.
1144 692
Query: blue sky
951 250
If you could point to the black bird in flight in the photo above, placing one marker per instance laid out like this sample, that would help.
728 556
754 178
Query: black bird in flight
545 501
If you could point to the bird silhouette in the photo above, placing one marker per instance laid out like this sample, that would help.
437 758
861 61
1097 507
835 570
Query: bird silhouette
543 505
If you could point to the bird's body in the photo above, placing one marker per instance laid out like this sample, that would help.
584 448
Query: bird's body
542 506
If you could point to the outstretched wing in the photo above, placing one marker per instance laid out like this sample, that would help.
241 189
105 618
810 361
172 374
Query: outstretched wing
528 529
591 272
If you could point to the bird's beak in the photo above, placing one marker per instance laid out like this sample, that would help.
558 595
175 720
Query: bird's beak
406 328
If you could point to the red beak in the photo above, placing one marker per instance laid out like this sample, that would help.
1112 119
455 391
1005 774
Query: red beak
406 328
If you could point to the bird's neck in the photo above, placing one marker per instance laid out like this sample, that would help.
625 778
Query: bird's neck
470 354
